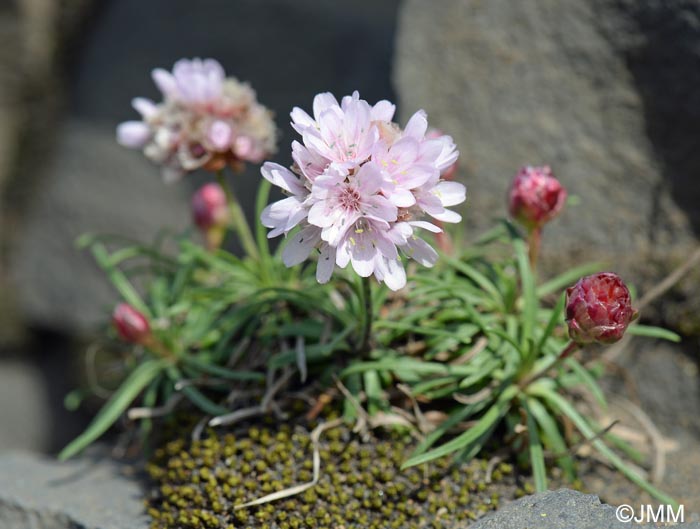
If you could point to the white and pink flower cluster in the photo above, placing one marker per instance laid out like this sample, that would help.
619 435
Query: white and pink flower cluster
360 188
206 120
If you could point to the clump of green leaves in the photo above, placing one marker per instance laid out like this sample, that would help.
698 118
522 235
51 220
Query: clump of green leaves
222 324
483 341
477 341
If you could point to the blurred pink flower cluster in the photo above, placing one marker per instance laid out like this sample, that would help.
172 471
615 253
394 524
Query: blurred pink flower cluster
206 120
360 189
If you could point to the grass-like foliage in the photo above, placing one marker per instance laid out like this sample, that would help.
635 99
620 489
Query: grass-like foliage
476 339
480 340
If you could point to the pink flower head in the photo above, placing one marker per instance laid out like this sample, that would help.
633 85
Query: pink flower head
360 187
536 196
599 309
206 120
131 325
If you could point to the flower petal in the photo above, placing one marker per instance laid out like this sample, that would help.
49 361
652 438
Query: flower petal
133 134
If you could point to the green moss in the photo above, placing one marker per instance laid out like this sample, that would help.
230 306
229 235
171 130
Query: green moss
197 484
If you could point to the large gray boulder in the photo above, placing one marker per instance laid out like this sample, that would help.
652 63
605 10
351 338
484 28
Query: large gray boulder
604 91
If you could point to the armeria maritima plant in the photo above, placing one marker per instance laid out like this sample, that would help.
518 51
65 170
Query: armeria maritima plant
475 339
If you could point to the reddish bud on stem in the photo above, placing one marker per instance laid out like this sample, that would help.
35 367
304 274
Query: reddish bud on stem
210 213
599 309
131 325
536 197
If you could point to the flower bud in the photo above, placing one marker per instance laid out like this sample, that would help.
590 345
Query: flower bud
131 325
209 206
210 213
536 197
599 309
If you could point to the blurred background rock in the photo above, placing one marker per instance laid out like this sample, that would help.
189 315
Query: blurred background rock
607 92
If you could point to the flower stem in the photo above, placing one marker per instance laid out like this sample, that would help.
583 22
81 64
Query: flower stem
238 220
533 242
570 348
366 299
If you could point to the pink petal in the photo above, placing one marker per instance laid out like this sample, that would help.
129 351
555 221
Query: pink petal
283 177
417 125
323 102
301 118
281 214
133 134
326 264
219 135
391 271
165 82
383 111
369 179
426 226
300 245
143 106
450 193
421 251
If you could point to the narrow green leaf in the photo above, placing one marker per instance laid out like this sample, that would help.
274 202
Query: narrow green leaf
119 280
229 374
653 332
529 313
480 279
587 379
552 437
581 423
373 390
453 419
568 278
494 414
115 406
403 364
204 403
554 319
539 470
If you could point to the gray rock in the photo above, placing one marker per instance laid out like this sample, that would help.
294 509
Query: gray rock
605 91
39 493
561 509
95 186
24 415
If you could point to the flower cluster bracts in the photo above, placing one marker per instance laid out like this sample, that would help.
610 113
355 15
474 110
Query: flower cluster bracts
360 189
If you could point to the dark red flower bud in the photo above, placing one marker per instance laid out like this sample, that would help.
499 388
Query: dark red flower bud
536 197
131 325
209 207
598 309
